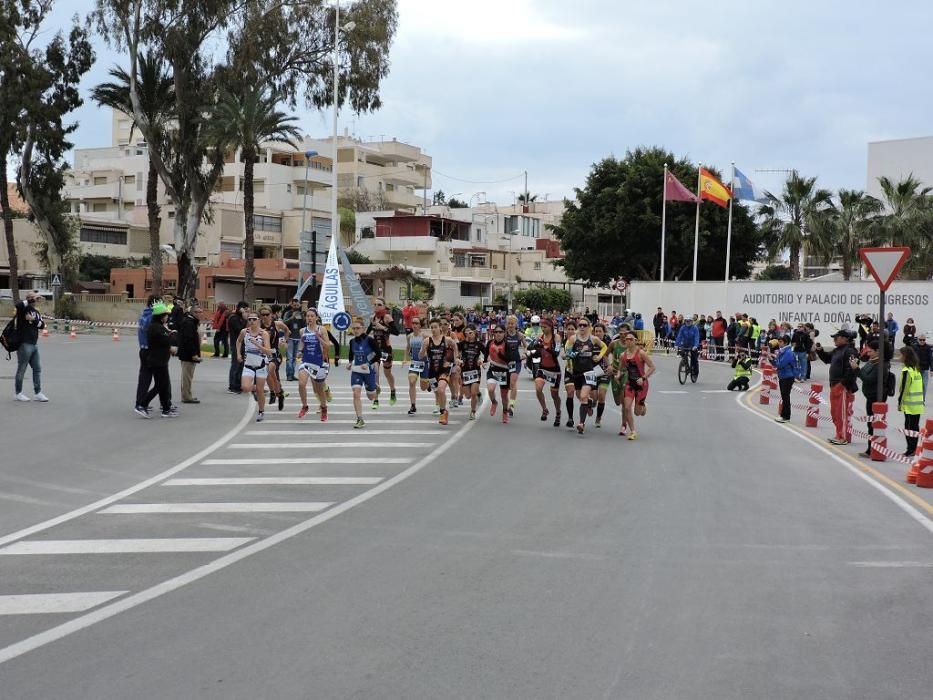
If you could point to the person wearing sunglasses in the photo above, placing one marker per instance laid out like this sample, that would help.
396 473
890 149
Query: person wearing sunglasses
570 333
253 350
472 353
515 354
924 350
314 351
547 348
638 367
586 352
437 352
497 374
381 329
278 333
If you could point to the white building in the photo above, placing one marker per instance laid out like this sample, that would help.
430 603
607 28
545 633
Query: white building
898 158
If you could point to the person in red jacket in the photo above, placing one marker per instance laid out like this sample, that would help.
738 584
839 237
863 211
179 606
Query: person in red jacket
718 333
219 324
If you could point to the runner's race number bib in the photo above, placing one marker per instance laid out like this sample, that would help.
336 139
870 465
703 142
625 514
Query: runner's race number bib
590 377
318 372
501 377
552 378
416 367
471 376
361 369
254 360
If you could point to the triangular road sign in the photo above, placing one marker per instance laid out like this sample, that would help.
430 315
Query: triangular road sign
884 263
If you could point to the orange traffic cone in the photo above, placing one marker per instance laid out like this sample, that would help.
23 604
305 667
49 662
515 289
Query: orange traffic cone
73 335
921 471
116 336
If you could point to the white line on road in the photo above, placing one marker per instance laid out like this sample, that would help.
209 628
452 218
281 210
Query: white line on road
88 619
336 432
672 391
892 564
278 481
323 445
43 603
278 507
714 391
373 421
315 460
177 544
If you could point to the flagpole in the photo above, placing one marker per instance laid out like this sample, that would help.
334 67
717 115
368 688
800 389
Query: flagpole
729 227
696 230
663 220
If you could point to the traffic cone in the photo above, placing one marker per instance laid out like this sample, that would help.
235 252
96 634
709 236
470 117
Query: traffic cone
73 335
116 336
921 471
204 337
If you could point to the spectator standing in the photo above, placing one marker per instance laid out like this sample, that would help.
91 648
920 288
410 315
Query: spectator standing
409 312
732 328
161 348
235 324
294 318
786 364
910 333
924 352
910 397
219 324
868 373
29 322
189 350
891 327
175 312
717 330
657 321
144 380
842 383
802 344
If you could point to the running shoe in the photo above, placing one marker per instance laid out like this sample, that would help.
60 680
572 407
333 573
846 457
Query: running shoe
141 411
544 414
436 411
599 423
557 421
303 412
472 415
359 423
260 416
644 408
375 404
443 419
780 420
413 410
232 391
40 397
569 423
281 400
323 414
838 441
511 411
22 397
580 428
633 435
169 414
505 416
392 398
492 408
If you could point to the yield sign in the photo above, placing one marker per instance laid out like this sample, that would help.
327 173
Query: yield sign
884 263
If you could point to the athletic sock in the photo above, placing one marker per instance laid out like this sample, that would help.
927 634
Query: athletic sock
600 407
584 410
570 406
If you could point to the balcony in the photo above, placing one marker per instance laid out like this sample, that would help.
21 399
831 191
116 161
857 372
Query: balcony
397 150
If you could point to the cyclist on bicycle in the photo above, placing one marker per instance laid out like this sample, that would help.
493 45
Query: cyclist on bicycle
688 338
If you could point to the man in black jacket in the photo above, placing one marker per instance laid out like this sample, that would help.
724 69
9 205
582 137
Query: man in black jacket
189 350
842 384
924 351
161 349
236 322
868 373
29 322
802 343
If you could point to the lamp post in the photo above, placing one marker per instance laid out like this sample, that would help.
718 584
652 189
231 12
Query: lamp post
304 210
512 234
349 26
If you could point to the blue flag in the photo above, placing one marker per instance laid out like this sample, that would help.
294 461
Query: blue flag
747 190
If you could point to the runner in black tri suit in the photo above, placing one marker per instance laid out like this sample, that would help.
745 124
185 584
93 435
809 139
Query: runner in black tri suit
472 353
548 348
586 352
435 350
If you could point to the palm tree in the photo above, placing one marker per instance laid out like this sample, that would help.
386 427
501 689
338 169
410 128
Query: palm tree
908 221
245 120
788 220
526 198
846 227
156 95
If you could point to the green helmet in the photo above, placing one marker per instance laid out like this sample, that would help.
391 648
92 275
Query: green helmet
160 308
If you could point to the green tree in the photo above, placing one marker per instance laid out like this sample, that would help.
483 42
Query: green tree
455 203
527 198
775 272
357 258
245 120
908 221
156 89
347 226
439 199
613 228
789 220
544 299
847 226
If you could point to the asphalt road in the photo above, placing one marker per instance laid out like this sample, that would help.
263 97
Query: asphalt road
718 556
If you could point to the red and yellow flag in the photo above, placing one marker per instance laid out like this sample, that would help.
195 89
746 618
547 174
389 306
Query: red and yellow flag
713 190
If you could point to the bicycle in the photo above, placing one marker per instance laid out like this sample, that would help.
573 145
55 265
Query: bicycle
685 370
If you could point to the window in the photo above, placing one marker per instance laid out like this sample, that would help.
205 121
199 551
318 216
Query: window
100 179
477 260
171 214
267 223
171 284
288 188
148 285
129 179
99 206
537 265
459 260
300 189
109 236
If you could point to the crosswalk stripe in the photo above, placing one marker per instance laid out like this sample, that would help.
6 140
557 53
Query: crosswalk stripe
311 460
279 507
278 481
43 603
128 546
336 432
369 421
323 445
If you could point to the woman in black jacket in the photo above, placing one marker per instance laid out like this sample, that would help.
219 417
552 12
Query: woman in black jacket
161 349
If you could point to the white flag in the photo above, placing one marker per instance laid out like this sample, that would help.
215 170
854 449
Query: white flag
330 302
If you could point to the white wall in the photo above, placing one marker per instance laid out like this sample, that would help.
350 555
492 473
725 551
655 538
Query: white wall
827 305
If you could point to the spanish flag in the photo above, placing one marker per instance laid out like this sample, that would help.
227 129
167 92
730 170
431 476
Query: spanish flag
713 190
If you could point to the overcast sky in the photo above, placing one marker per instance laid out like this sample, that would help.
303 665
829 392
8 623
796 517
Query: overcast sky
490 88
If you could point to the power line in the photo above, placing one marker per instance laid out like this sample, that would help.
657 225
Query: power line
479 182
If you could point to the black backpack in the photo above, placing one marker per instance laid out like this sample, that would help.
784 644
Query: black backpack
11 338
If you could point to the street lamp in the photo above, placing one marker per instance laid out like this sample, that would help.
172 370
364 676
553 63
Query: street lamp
304 210
511 235
348 27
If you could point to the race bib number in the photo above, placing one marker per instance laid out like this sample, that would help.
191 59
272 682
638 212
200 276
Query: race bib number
416 367
471 377
513 366
501 377
552 378
385 356
254 360
361 369
319 372
598 371
590 377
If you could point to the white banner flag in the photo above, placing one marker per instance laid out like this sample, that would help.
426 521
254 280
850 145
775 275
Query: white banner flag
330 302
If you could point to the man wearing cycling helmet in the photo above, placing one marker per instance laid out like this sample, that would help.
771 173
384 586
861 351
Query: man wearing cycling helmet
533 332
688 338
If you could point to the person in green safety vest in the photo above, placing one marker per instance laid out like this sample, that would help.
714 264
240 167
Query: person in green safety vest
754 333
743 371
910 398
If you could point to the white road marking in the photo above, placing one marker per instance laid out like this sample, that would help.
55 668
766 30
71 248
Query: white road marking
369 421
924 521
672 391
178 544
315 460
97 505
278 481
278 507
42 603
88 619
335 432
892 564
324 445
714 391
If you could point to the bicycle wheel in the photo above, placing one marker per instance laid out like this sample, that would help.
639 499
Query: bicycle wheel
694 376
682 371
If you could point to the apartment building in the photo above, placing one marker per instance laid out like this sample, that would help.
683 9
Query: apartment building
30 272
